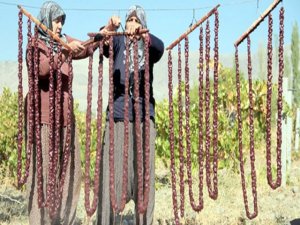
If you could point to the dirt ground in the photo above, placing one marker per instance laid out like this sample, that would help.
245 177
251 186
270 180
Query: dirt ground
280 206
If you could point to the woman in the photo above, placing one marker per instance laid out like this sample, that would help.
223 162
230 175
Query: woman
135 19
53 17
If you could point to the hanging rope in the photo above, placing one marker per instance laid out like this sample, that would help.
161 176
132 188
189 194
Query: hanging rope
212 185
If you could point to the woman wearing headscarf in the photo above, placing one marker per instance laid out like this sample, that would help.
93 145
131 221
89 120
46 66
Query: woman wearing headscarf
135 19
53 17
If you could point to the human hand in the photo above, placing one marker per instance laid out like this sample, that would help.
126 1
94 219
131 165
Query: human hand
113 23
132 29
76 46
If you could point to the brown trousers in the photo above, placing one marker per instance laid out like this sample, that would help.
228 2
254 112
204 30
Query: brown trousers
105 214
71 189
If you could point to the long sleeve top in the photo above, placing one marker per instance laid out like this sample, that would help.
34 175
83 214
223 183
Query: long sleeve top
156 49
44 74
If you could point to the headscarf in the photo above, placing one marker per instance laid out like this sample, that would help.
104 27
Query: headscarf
50 11
140 14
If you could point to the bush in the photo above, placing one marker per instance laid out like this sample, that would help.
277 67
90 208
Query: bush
8 131
227 119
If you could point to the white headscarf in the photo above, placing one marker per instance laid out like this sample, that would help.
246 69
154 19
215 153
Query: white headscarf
139 12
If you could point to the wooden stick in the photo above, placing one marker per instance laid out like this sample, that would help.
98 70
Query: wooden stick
193 27
114 33
257 22
44 28
88 42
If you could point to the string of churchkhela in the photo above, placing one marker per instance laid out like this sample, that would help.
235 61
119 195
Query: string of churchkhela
28 147
212 186
54 187
142 159
90 209
180 140
143 175
277 183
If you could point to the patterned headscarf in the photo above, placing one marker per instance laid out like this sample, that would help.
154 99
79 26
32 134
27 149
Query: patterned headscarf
50 11
138 12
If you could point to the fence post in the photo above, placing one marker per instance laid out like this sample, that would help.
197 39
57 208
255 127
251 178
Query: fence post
297 133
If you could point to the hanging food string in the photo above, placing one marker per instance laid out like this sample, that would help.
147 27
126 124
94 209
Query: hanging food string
251 108
212 186
54 186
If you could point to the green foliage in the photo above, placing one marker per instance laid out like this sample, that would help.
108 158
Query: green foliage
81 128
8 131
262 63
227 115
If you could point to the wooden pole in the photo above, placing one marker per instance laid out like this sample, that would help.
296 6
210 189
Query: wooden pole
44 28
192 28
114 33
257 22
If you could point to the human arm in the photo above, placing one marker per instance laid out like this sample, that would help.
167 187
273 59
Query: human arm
156 48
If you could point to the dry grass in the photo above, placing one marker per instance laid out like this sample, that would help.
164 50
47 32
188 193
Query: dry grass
275 206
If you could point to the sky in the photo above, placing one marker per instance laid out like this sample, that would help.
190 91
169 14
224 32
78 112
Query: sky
167 19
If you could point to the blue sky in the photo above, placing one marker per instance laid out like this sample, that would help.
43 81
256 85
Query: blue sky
167 19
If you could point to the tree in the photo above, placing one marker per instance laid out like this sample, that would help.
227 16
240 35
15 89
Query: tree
295 64
287 68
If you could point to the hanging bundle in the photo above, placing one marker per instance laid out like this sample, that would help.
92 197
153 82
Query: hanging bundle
143 175
251 109
54 187
90 209
212 186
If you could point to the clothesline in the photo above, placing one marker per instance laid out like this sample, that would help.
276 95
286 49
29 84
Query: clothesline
237 2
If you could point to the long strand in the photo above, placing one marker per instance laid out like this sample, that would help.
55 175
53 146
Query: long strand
146 135
171 139
68 136
240 139
200 125
88 137
90 209
181 146
111 129
207 109
57 123
214 194
38 144
22 180
272 184
30 110
280 90
51 184
126 129
137 126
